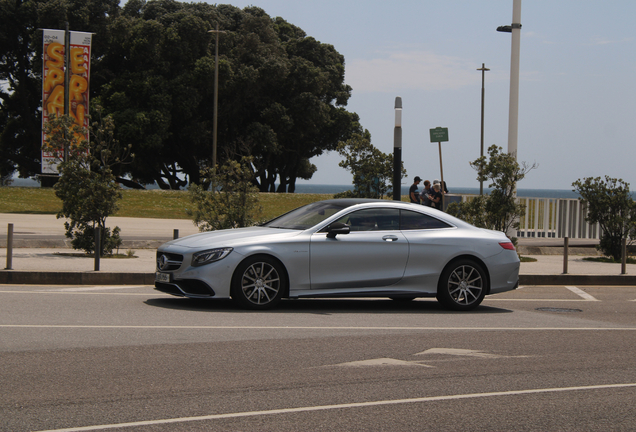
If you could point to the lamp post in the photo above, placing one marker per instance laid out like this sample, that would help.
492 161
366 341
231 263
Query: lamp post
397 151
513 119
483 70
216 93
513 112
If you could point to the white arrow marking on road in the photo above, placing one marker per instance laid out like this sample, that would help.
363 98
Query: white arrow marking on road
459 352
381 362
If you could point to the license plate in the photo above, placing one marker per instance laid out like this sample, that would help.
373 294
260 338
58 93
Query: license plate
162 277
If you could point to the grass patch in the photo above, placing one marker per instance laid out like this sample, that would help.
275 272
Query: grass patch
527 259
609 260
155 203
29 200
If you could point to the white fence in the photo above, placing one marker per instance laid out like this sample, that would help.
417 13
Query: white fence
556 218
553 218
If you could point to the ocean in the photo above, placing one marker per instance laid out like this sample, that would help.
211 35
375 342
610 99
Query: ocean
525 193
334 189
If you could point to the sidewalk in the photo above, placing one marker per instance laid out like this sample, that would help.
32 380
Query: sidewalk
41 255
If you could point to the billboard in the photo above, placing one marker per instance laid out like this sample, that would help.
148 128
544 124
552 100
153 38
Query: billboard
53 85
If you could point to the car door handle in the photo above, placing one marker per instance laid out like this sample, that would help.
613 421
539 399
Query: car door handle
390 238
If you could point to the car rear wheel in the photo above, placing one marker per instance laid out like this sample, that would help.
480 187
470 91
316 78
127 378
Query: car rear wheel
258 283
462 285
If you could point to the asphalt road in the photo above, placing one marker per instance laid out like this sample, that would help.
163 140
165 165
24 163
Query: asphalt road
127 358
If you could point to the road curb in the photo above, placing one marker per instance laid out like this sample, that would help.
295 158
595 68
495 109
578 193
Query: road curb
107 278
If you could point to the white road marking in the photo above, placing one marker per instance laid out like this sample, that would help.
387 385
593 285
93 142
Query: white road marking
97 288
534 300
90 291
581 293
210 327
459 352
342 406
380 362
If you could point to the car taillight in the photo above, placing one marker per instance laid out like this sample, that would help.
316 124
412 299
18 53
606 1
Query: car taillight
507 245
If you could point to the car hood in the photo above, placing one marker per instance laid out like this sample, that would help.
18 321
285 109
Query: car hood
232 237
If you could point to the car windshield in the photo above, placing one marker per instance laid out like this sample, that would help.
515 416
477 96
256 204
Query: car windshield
307 216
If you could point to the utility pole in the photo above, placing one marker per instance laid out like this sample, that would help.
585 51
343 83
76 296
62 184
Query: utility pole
67 75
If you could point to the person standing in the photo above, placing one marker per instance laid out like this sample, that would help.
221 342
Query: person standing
414 192
436 197
425 192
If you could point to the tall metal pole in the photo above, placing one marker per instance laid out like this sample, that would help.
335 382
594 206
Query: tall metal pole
513 120
67 74
397 151
216 93
481 153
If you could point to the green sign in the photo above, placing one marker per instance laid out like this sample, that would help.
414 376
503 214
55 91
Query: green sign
439 134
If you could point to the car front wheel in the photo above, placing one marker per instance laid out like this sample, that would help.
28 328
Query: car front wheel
462 285
258 283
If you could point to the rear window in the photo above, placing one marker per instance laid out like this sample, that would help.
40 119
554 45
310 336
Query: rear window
410 220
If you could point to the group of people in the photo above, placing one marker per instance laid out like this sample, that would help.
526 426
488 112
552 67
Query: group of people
430 196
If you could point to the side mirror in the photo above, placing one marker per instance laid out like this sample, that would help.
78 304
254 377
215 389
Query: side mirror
337 228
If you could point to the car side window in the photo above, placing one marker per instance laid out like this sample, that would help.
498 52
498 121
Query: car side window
410 220
372 220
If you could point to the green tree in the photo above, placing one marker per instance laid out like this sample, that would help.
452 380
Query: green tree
87 185
498 210
282 95
231 201
372 170
609 203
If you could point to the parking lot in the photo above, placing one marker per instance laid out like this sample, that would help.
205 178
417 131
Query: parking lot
130 358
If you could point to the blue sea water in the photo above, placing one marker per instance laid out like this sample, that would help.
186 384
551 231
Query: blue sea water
333 189
525 193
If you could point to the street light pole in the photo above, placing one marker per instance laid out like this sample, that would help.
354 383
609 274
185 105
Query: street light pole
483 70
397 151
216 93
513 112
514 78
513 119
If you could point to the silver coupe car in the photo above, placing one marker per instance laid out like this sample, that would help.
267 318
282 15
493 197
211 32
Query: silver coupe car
343 247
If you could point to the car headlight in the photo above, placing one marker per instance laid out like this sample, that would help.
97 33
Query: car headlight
209 256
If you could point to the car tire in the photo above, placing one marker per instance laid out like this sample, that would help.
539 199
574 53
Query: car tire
462 285
259 283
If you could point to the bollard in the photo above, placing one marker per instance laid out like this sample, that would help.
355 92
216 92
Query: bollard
98 247
175 234
566 245
624 258
9 247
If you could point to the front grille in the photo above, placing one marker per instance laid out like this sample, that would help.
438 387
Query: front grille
168 261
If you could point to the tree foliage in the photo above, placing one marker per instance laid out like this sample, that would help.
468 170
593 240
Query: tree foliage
87 185
498 210
609 203
231 200
282 94
372 169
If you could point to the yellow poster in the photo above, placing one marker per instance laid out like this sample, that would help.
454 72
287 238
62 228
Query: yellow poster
53 85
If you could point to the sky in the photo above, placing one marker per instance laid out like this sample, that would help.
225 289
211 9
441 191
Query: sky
577 99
